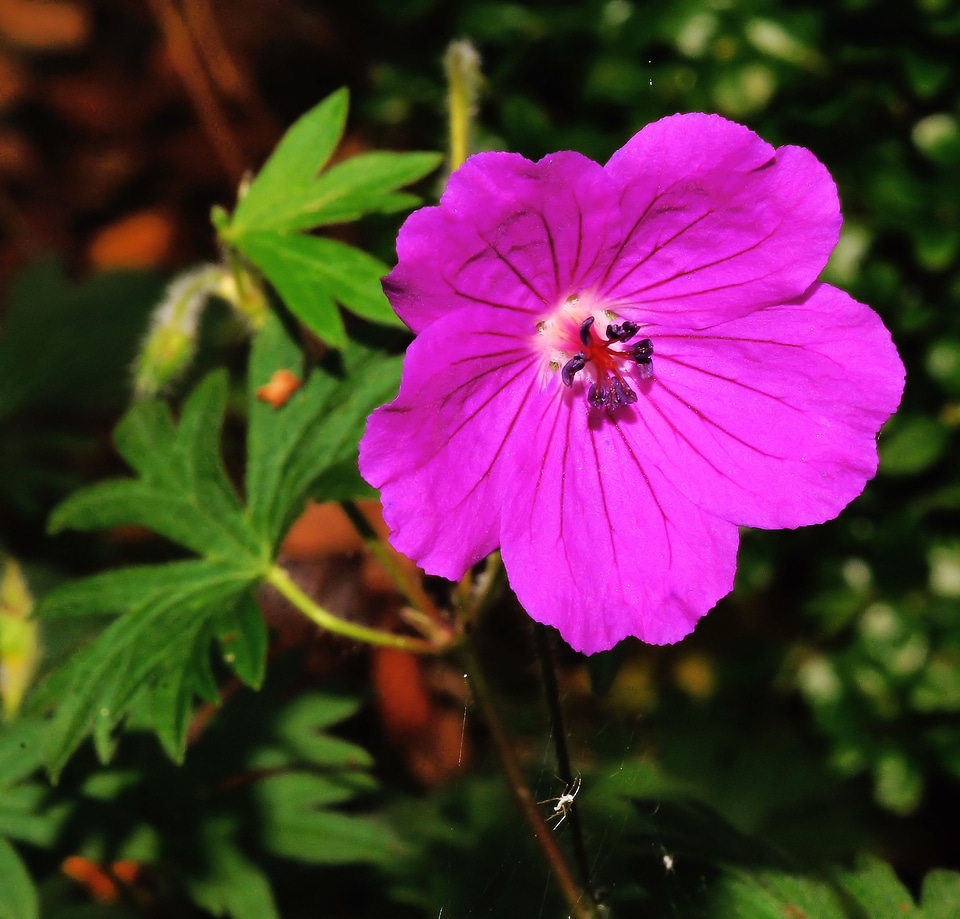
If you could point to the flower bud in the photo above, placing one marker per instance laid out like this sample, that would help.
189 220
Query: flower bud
170 343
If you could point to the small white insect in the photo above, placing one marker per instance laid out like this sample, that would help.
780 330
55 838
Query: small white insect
668 862
563 803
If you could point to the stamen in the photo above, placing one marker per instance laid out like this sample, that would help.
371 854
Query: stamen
606 358
642 351
585 331
623 393
622 331
572 367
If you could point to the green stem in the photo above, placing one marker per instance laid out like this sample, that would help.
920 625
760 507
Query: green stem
278 578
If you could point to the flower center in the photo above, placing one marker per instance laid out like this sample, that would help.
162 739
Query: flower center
608 359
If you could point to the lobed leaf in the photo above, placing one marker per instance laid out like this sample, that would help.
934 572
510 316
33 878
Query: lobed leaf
156 640
291 194
299 282
310 272
243 639
363 184
292 448
24 817
142 585
183 492
304 150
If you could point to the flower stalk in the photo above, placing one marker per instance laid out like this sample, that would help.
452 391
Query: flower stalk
564 771
579 901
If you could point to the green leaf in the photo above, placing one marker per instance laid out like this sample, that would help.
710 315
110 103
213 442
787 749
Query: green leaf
292 195
309 272
18 896
300 729
286 263
24 816
304 150
173 612
361 185
877 889
940 895
183 492
307 771
243 638
326 837
142 585
153 647
20 749
773 895
231 884
291 449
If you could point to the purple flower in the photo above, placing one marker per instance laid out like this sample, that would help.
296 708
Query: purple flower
616 366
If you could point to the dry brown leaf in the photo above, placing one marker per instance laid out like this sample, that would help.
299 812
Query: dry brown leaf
141 240
322 529
11 81
44 25
17 159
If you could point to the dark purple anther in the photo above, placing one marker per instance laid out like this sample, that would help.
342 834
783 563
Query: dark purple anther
622 331
597 395
622 394
642 351
572 367
585 331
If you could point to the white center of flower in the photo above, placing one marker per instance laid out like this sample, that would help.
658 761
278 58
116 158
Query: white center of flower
570 342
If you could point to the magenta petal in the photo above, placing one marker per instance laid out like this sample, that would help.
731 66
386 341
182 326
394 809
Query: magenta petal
600 544
771 420
508 234
717 222
441 479
617 366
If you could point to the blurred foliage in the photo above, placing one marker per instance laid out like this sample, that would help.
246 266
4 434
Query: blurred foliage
265 781
815 708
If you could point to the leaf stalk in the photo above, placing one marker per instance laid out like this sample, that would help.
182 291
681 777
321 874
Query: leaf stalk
278 578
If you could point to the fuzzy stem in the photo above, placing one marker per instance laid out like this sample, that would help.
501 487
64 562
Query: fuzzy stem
278 578
462 65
